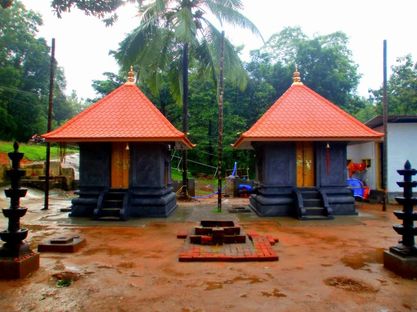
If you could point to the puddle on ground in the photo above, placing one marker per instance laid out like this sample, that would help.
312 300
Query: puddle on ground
213 285
274 293
349 284
249 279
126 265
34 227
359 260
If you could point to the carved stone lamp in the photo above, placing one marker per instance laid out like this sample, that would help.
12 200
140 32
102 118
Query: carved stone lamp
16 258
402 258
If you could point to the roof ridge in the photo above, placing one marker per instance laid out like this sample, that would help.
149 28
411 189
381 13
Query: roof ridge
125 113
302 113
157 111
83 112
340 110
264 115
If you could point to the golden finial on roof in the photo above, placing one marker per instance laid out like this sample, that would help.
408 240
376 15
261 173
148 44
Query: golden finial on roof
131 76
296 77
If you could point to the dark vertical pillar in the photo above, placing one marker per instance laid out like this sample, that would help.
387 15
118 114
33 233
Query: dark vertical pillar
385 123
184 191
220 128
48 145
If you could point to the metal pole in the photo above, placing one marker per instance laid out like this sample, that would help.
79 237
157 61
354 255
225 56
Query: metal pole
385 124
48 145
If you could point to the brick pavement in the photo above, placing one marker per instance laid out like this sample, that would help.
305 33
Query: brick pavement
256 248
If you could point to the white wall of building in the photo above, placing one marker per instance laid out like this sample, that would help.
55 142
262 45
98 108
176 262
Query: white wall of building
357 152
402 146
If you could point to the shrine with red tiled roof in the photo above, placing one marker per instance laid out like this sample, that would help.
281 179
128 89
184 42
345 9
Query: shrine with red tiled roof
300 144
125 164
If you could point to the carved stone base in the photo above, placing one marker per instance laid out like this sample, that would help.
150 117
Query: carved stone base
65 244
403 266
20 267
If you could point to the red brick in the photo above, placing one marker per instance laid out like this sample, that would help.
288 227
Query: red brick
182 234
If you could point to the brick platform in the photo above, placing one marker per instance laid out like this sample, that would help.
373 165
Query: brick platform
256 248
19 267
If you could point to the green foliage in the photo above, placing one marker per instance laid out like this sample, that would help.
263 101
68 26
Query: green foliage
325 63
167 27
104 87
103 9
24 77
401 89
269 77
34 152
64 283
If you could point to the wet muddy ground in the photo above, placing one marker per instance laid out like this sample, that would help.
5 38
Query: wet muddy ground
331 265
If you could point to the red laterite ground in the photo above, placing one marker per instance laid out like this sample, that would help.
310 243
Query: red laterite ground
331 265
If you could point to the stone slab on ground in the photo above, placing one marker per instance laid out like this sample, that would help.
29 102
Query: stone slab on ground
403 266
69 243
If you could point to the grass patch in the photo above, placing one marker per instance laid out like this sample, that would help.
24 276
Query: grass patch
34 152
63 283
216 210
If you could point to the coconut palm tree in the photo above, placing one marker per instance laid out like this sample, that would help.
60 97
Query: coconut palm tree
174 32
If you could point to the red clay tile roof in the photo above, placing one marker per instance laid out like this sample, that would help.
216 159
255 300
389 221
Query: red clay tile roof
125 114
301 114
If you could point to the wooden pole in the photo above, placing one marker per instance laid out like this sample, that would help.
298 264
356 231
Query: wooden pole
385 125
184 192
48 145
220 126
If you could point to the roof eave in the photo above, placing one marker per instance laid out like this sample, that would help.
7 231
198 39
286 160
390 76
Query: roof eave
183 141
245 142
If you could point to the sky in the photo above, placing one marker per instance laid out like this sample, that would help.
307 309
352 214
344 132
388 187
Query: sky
83 42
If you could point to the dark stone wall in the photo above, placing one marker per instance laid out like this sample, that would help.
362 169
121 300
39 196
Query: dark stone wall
94 177
336 174
95 165
277 178
147 165
150 186
276 163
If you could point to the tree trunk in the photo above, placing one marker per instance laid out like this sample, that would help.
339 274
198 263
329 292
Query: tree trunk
184 191
210 148
220 127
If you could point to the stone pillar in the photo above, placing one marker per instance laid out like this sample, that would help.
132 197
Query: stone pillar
16 258
402 258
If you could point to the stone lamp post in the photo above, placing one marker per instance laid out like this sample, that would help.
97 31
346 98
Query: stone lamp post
16 258
402 258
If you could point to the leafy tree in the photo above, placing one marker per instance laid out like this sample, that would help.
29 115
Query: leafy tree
75 104
6 3
103 9
24 76
325 63
177 30
401 88
104 87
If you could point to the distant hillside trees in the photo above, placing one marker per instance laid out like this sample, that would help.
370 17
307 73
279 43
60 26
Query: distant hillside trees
401 88
24 77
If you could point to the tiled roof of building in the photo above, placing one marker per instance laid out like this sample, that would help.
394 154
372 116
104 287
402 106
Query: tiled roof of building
301 114
125 114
